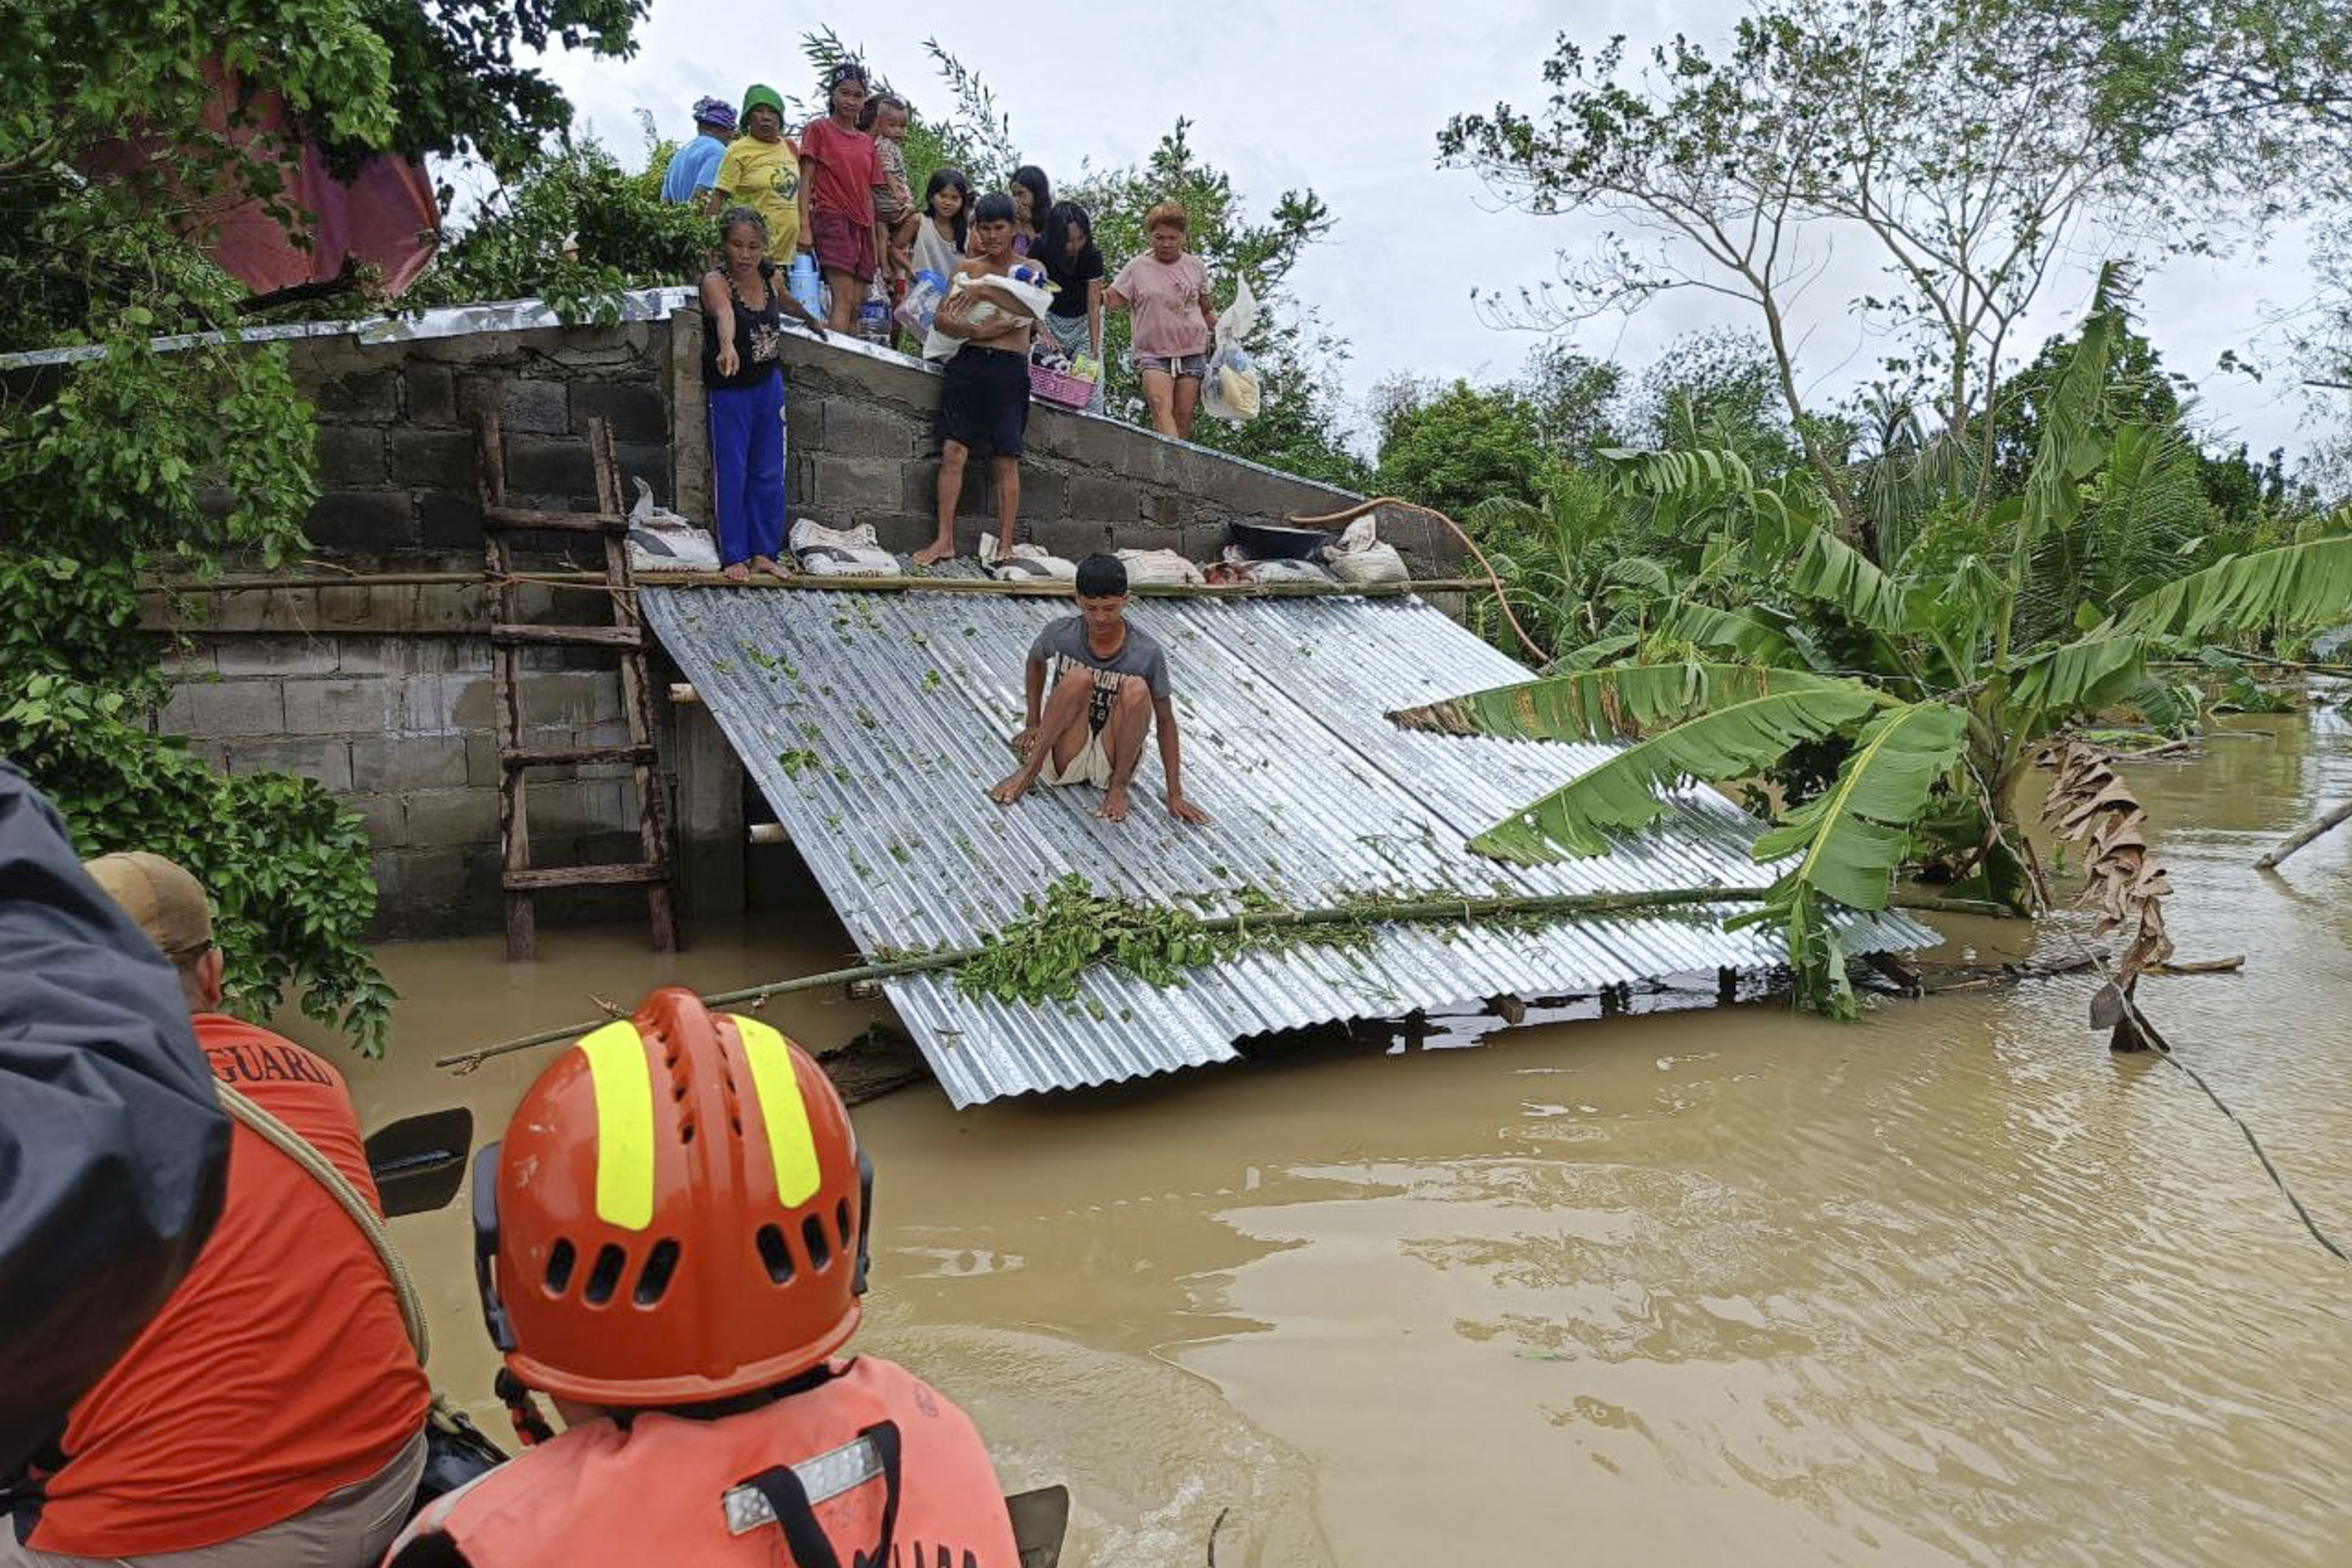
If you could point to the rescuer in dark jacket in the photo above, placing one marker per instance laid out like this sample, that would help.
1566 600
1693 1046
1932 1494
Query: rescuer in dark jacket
113 1146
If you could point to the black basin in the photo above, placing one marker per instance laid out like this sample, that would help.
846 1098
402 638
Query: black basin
1262 541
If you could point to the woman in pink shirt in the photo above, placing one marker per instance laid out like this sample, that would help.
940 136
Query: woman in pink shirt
1168 291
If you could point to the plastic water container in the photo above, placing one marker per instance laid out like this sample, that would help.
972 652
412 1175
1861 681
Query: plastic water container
874 314
806 285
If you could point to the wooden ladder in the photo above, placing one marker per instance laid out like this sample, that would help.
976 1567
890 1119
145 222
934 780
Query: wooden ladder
625 636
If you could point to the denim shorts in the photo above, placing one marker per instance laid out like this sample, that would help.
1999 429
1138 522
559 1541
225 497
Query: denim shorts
1193 365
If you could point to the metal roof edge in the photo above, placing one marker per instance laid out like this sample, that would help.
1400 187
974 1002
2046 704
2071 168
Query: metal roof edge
441 321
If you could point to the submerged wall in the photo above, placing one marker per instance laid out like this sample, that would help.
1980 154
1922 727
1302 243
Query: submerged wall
382 693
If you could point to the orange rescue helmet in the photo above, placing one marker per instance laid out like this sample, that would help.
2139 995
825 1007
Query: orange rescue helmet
678 1213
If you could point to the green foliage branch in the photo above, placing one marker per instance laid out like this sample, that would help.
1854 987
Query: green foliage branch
119 154
1917 671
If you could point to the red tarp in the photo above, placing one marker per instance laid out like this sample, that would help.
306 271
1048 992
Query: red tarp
386 216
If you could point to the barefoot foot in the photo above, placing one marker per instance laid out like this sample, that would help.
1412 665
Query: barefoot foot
768 565
935 552
737 572
1010 787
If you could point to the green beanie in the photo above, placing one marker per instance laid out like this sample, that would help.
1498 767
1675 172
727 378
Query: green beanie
759 95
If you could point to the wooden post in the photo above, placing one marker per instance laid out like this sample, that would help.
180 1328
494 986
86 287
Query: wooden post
711 836
498 559
636 698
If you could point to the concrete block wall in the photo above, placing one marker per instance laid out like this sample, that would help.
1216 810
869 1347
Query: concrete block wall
861 449
399 726
396 444
383 692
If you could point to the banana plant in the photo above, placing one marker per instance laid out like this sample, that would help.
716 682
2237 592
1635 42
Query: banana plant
1941 713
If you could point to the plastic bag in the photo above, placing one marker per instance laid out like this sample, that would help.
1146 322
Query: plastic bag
841 553
922 302
1360 557
1230 391
661 540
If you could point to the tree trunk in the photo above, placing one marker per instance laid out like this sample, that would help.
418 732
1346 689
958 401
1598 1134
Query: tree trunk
2303 836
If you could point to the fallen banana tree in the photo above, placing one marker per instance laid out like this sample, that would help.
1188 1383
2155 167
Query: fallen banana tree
1107 937
2088 804
1934 697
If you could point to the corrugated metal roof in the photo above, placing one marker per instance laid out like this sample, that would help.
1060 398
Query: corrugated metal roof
441 321
874 723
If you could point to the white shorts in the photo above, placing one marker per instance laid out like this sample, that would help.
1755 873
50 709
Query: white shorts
1090 766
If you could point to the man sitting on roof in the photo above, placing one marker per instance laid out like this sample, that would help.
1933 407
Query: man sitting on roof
1108 683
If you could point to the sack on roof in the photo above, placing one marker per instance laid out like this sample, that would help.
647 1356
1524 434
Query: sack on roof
841 553
1246 568
1026 563
1360 557
661 540
1158 567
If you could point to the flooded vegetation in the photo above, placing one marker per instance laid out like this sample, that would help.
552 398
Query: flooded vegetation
1949 1285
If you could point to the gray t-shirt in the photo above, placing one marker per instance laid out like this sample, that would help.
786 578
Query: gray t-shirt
1064 643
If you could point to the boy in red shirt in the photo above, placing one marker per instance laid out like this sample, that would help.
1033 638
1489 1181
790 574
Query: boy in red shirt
839 169
272 1411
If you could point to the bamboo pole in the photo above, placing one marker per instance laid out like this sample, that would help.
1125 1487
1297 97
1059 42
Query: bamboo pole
2303 836
1440 909
2258 659
809 582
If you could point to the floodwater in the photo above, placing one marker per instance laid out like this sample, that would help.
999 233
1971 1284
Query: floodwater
1951 1285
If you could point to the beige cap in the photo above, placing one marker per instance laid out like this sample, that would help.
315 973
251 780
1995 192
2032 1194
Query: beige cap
167 902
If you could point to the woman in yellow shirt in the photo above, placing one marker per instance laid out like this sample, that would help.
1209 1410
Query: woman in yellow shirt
762 169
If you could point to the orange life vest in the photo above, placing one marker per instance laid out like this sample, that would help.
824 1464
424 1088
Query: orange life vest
871 1469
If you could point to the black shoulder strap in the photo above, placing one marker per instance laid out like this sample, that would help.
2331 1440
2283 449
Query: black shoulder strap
796 1515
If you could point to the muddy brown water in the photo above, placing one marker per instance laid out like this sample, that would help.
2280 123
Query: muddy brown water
1951 1285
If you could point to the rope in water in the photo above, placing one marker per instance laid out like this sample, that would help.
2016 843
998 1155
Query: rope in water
2164 1052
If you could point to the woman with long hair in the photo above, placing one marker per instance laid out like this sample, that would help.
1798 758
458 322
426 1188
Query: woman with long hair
946 226
1075 266
1033 198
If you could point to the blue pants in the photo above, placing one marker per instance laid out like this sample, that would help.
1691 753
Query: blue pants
747 470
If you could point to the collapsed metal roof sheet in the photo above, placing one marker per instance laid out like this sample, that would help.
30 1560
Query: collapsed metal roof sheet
874 723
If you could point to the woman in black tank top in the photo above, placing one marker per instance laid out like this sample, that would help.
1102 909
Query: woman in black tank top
745 384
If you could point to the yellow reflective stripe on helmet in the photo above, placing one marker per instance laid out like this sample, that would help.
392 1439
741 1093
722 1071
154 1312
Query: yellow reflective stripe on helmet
791 1142
624 1082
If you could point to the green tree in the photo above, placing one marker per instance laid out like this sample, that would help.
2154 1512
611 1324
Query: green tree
620 231
1575 399
1452 446
132 461
455 88
1943 693
1952 143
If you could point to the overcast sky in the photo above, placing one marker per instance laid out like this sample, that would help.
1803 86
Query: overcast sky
1348 99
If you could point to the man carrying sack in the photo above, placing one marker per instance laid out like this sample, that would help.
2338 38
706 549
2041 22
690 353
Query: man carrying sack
273 1412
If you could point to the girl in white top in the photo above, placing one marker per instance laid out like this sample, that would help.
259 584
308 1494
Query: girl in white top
947 216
